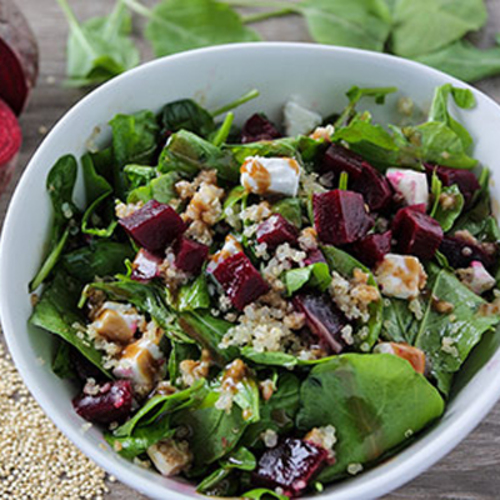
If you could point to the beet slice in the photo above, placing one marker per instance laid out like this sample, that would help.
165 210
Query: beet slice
314 256
240 280
372 248
461 252
18 56
154 225
416 233
258 128
113 403
323 319
10 143
363 177
190 255
146 266
340 216
290 466
275 231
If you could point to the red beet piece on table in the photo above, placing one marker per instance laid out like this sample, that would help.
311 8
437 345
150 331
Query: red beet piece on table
416 233
258 128
461 251
372 248
10 143
190 255
275 231
146 266
363 177
154 225
323 319
340 217
240 280
290 466
113 403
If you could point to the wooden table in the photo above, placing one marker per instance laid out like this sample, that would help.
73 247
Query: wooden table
471 471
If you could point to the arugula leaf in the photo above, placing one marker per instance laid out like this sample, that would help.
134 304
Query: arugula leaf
447 217
316 275
290 209
428 25
194 295
99 49
364 24
56 312
186 114
373 400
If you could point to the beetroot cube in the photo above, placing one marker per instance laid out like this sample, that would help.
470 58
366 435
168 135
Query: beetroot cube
190 255
314 256
240 280
290 466
338 159
323 319
146 266
372 248
258 128
340 217
154 225
275 231
113 403
416 233
461 251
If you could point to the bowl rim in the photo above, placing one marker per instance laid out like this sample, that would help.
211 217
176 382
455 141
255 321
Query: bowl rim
387 480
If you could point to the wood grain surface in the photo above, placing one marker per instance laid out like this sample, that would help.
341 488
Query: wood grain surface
472 470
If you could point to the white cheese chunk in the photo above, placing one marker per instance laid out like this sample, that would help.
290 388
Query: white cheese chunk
231 247
170 457
476 278
400 276
270 175
299 120
411 185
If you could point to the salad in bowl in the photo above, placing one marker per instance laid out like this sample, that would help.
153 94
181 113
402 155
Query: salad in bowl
270 309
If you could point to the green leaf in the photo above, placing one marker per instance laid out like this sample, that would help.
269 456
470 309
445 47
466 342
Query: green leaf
374 401
99 49
186 114
194 295
263 494
399 323
464 61
286 146
176 25
220 137
269 358
364 24
57 313
316 275
290 209
61 363
428 25
447 217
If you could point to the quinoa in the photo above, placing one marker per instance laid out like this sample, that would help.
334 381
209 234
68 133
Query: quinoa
123 210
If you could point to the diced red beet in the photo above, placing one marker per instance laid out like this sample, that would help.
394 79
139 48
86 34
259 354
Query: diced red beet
154 225
416 233
323 319
113 403
240 280
18 57
465 179
372 248
340 217
10 143
363 177
146 266
461 251
290 466
258 128
275 231
190 255
314 256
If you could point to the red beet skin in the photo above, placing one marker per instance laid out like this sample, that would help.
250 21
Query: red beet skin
372 248
275 231
340 217
258 128
190 255
10 143
240 280
290 466
416 233
314 256
18 57
146 266
154 226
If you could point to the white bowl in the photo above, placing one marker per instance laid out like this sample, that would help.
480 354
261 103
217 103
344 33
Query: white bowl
320 75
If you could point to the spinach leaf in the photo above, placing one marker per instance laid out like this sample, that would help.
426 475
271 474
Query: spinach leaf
186 114
286 146
175 26
399 323
263 494
364 24
61 363
428 25
194 295
290 209
139 175
269 358
57 312
373 400
161 189
247 398
179 352
448 343
345 264
316 275
447 216
99 49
